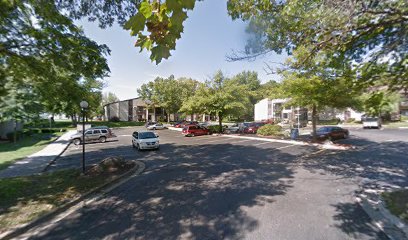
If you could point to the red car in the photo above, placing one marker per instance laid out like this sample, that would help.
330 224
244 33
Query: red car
252 127
195 130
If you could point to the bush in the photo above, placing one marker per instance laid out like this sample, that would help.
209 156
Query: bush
270 130
114 119
350 120
215 129
328 122
10 136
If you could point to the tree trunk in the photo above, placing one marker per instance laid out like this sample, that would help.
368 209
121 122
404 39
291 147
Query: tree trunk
73 119
314 121
220 121
15 131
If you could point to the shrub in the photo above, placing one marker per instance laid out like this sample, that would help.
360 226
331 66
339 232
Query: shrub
215 129
114 119
270 130
10 135
350 120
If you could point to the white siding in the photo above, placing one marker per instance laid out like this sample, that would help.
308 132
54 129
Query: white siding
261 110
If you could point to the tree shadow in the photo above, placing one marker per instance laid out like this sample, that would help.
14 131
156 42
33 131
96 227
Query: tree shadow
356 223
185 192
377 165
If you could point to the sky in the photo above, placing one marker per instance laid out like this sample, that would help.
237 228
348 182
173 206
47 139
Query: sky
209 35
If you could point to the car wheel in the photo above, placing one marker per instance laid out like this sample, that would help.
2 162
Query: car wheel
154 128
102 139
192 135
345 135
77 141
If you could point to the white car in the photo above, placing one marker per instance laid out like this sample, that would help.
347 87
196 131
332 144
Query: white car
156 126
371 122
145 140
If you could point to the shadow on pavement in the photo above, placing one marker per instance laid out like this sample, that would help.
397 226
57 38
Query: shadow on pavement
185 193
356 227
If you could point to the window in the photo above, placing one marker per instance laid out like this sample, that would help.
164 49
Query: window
192 127
135 134
88 132
97 131
104 131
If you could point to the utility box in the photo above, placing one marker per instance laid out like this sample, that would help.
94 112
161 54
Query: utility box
294 133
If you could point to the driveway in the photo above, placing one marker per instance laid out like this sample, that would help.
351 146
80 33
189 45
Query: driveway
214 187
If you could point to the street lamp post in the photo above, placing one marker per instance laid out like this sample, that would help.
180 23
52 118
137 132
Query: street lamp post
84 106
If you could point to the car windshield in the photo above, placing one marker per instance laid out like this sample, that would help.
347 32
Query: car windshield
145 135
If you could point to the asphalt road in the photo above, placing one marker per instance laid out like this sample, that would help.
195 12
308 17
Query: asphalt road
213 187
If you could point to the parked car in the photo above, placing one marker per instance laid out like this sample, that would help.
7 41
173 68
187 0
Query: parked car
179 124
195 130
253 127
232 129
145 140
100 134
332 133
371 122
156 126
149 123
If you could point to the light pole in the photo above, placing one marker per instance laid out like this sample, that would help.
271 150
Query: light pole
84 106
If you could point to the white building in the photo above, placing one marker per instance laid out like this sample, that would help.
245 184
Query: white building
272 109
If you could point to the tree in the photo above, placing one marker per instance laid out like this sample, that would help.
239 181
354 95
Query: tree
253 84
220 96
380 102
168 93
43 49
315 85
372 34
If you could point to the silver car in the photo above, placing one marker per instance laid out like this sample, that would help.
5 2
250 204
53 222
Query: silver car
93 135
155 126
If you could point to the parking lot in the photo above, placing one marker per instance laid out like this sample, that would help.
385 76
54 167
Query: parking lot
170 143
216 187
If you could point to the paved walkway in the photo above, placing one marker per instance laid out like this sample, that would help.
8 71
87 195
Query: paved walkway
36 162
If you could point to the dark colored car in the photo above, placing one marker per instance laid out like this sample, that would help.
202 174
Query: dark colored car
195 130
253 127
332 133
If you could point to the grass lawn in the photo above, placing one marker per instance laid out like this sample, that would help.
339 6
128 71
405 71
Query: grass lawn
397 203
396 124
26 198
11 152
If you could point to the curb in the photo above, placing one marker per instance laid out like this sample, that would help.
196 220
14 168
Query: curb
77 203
392 226
55 158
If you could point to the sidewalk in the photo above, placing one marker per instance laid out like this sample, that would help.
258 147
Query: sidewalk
36 162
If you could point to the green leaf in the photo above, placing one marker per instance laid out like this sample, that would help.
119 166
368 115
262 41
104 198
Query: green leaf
188 4
136 23
146 9
159 52
173 5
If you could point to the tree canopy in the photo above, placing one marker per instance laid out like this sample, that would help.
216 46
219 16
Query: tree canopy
44 52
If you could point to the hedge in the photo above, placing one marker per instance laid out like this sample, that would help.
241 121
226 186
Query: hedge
270 130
